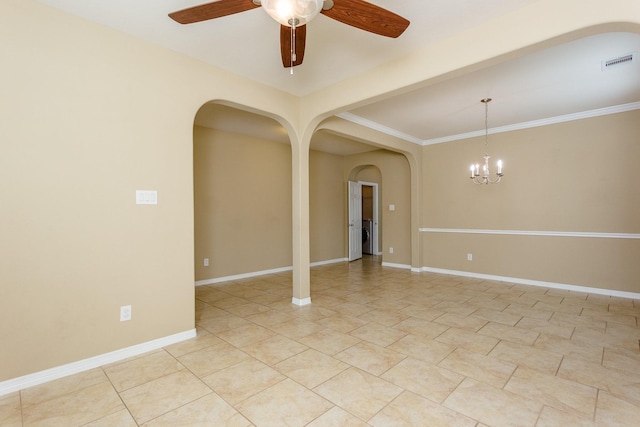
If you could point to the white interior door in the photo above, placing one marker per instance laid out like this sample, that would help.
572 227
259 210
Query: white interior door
355 220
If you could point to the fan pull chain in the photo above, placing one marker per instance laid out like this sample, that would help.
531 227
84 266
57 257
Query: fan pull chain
293 44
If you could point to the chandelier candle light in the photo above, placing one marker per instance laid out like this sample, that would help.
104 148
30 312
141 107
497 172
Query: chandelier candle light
475 169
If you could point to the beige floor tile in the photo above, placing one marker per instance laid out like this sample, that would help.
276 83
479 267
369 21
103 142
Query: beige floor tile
246 335
409 409
620 383
310 312
383 317
335 417
558 308
329 341
570 348
623 331
477 366
549 390
342 323
206 311
11 410
468 323
243 380
624 309
121 418
212 359
274 349
269 318
523 310
468 340
423 378
219 324
613 411
210 410
421 312
456 306
421 327
544 361
509 333
358 392
587 336
422 348
297 328
579 321
62 386
327 301
284 404
621 318
76 408
620 358
140 370
496 316
244 310
157 397
203 339
353 308
550 327
228 302
552 417
378 334
388 304
370 357
491 405
311 368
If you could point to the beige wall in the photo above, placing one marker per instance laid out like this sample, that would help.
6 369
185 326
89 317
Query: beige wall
577 176
395 189
89 116
326 211
242 190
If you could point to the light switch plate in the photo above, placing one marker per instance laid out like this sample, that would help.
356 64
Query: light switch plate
146 197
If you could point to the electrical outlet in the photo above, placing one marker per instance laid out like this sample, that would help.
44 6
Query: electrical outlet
390 250
206 262
125 313
469 257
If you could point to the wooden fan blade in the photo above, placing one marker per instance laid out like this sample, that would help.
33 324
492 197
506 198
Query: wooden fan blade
368 17
212 10
285 44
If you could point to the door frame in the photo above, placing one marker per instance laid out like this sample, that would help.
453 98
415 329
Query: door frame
374 230
354 223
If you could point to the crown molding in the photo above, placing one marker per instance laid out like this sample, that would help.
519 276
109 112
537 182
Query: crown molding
509 128
378 127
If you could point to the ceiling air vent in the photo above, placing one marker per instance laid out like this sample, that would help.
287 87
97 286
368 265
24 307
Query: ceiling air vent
620 60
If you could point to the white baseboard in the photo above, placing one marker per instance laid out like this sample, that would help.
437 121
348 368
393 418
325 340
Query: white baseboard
242 276
263 272
563 286
301 302
403 266
329 261
20 383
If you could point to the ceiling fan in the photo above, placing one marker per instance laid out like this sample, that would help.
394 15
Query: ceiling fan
293 16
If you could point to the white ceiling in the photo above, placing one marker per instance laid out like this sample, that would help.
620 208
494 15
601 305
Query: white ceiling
564 80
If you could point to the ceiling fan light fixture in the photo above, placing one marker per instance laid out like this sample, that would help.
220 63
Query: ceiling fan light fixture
292 12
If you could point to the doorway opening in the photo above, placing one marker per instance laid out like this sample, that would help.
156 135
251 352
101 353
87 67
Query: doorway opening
363 219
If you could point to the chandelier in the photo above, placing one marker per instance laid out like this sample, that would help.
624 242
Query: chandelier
475 169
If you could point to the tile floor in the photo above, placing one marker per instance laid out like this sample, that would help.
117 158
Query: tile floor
378 347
